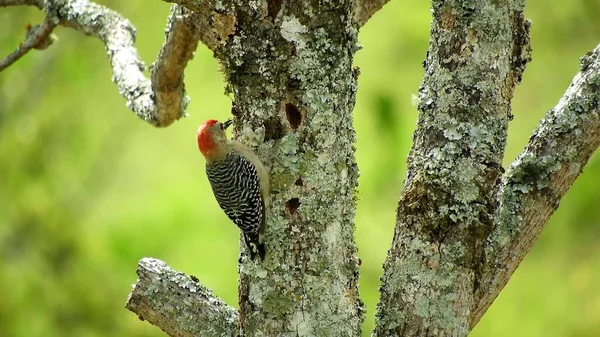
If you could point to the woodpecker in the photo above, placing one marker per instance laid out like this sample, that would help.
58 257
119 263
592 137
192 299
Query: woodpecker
238 180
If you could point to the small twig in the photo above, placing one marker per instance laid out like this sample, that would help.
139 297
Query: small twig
38 35
178 304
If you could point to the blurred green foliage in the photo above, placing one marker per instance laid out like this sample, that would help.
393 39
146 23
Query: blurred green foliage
87 189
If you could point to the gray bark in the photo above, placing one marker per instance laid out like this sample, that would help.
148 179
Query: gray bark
463 225
290 70
535 183
476 56
159 102
178 303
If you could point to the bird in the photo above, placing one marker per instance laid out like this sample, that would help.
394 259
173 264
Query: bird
239 182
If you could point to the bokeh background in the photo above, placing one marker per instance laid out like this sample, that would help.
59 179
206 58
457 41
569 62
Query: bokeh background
87 189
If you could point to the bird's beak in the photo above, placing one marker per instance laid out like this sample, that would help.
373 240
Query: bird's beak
227 123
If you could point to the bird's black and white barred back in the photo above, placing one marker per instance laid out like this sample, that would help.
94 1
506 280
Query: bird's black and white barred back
236 186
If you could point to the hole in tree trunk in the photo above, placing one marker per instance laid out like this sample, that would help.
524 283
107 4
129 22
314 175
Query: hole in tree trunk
292 205
299 182
294 116
274 6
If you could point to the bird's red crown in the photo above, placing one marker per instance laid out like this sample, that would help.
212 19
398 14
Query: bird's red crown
206 144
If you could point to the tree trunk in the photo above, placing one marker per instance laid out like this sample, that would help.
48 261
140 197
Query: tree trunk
294 89
476 56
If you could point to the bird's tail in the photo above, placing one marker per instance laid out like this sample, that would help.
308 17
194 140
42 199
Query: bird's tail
255 246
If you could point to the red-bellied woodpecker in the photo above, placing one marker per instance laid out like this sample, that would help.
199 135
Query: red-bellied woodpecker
238 180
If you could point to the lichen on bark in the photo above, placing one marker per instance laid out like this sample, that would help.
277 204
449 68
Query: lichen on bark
535 183
290 73
446 207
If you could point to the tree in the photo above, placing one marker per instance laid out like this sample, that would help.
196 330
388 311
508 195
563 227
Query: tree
463 224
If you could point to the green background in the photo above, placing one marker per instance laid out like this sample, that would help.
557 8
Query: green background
87 189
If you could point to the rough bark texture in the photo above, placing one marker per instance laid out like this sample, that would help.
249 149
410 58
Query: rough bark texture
290 71
178 304
476 56
167 71
118 35
535 183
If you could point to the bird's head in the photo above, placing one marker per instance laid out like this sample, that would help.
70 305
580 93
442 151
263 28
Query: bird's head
211 137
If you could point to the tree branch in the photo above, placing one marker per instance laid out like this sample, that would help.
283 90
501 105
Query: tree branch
476 57
118 36
364 10
178 304
214 22
535 183
37 37
167 72
159 102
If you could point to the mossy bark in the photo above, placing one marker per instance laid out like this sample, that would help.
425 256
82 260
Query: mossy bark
477 53
289 68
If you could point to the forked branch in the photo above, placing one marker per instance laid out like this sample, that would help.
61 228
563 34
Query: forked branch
159 101
535 183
